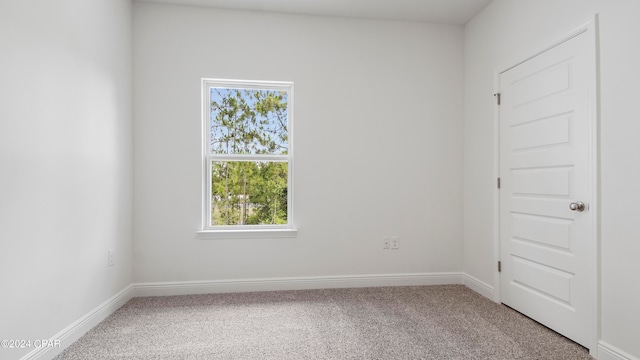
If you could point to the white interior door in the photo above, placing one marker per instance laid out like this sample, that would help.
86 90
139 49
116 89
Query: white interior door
547 241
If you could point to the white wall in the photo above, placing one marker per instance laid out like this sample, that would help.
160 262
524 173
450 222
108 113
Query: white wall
507 29
65 162
378 142
620 31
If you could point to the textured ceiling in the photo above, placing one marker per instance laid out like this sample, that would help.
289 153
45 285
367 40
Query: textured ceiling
440 11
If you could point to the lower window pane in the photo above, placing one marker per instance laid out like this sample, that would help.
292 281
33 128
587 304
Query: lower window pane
248 193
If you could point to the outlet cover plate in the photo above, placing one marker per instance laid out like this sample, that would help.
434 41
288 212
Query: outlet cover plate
111 258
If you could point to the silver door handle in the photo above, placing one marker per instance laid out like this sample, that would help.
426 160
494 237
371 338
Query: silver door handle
577 206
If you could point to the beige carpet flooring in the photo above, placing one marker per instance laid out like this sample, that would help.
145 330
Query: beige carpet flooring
422 322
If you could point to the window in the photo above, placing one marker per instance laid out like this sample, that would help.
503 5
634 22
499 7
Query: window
247 156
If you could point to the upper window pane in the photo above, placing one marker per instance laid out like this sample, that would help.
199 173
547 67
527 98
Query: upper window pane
248 121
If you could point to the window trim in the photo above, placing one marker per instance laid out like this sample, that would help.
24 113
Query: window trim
243 231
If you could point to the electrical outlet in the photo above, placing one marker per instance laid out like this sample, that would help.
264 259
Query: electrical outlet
395 243
111 258
387 243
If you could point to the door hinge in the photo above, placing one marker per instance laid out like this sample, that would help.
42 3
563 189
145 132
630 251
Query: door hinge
499 266
498 183
497 95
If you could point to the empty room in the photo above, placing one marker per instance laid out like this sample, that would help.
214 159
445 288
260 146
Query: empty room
330 179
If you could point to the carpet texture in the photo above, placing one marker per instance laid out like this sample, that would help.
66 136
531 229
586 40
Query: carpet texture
422 322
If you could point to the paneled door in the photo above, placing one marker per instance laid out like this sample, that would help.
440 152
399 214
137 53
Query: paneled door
548 240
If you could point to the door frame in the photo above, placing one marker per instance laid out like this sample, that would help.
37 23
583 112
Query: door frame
591 29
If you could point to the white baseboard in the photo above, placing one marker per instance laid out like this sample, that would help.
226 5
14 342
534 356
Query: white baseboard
609 352
297 283
81 326
480 287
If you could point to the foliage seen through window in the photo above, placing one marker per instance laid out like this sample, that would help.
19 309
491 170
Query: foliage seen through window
251 126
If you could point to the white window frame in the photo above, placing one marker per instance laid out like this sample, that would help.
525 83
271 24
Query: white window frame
208 231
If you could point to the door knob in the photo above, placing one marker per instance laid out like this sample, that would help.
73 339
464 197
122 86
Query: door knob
577 206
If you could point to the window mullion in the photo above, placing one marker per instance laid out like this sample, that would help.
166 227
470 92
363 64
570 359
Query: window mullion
248 157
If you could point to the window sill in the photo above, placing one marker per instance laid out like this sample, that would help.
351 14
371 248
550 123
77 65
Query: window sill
246 234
